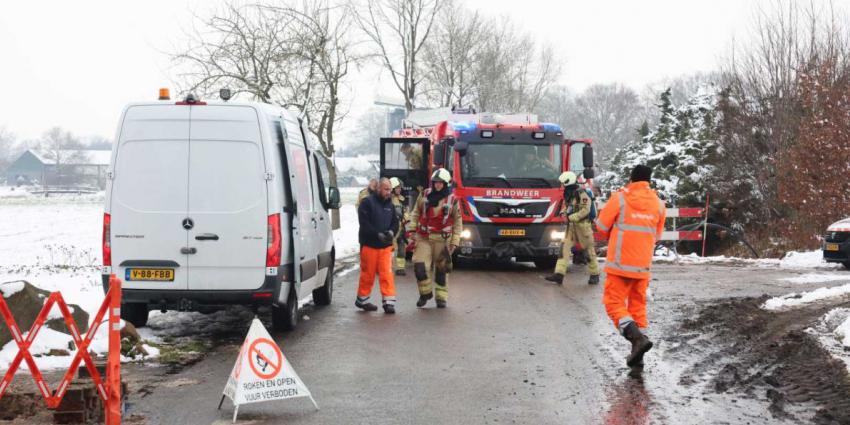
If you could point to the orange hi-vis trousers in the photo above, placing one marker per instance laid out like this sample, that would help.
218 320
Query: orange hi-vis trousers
625 300
380 261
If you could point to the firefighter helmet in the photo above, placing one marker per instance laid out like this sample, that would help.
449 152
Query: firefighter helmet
567 178
395 182
441 175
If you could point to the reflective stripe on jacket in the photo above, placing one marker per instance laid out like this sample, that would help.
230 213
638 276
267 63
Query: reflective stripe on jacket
633 221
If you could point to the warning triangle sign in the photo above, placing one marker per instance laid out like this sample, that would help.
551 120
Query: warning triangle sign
262 373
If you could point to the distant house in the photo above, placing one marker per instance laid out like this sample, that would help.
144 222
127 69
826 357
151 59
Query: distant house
75 167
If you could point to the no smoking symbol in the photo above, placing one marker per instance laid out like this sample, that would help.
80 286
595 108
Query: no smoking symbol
266 358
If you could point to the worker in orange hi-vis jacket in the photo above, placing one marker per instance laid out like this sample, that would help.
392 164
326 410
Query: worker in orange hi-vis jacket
633 221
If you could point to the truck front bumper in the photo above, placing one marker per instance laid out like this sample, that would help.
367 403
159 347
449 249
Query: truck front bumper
489 240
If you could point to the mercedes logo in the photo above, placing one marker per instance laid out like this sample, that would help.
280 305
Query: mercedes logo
188 224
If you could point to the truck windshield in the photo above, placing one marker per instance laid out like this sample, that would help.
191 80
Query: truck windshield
511 165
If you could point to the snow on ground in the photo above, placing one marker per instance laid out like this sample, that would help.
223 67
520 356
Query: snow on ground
833 332
818 278
54 243
797 299
792 260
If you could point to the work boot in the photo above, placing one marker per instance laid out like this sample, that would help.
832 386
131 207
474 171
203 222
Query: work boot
400 272
636 371
594 279
640 344
423 299
555 277
366 306
441 303
389 309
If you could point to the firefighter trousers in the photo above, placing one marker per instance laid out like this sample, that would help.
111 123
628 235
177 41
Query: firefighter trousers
581 233
625 300
400 252
425 259
372 261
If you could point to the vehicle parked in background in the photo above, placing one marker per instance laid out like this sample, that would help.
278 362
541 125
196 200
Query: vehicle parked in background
836 243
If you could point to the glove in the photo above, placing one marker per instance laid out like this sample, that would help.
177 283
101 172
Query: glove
390 235
383 237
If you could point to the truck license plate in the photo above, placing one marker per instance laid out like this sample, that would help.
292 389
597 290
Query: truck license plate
150 274
832 247
511 232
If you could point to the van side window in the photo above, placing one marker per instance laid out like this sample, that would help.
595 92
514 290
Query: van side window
324 178
301 166
280 136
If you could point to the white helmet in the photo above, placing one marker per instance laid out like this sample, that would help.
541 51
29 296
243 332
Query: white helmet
441 175
567 178
395 182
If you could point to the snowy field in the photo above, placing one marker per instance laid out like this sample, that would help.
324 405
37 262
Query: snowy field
55 244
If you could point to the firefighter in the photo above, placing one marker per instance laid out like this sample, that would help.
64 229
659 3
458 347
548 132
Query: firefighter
413 156
633 221
378 224
576 210
401 213
438 226
533 165
368 190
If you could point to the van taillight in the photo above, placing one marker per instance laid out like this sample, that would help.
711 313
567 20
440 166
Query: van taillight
107 246
273 247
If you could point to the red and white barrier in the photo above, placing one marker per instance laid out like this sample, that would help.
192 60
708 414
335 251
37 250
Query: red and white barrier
109 391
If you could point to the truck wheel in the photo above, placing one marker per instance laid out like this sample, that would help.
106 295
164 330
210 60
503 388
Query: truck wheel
846 265
323 295
135 313
545 263
285 317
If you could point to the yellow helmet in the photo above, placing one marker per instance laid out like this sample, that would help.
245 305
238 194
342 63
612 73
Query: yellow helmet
395 182
441 175
567 178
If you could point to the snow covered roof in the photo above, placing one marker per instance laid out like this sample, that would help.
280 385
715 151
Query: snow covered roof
77 156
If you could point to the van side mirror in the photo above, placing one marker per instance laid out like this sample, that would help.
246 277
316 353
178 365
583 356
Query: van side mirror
440 155
589 173
333 198
461 148
587 156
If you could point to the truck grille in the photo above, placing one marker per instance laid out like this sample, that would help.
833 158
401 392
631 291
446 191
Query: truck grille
498 209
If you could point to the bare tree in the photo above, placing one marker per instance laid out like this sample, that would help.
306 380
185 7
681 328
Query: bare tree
63 151
450 56
513 73
399 30
293 55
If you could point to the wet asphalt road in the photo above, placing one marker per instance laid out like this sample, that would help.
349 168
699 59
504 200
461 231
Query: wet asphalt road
510 348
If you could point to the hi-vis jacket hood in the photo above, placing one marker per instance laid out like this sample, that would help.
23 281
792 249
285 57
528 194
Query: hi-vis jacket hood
633 221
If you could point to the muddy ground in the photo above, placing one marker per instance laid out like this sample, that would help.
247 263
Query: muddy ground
512 348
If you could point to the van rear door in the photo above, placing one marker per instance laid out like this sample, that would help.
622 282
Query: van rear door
227 199
149 197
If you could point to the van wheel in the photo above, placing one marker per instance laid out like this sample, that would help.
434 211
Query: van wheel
545 263
285 317
324 295
135 313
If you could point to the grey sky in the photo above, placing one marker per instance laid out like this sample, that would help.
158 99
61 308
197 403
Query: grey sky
75 64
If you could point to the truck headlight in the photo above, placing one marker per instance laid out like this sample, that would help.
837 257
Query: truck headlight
557 235
466 234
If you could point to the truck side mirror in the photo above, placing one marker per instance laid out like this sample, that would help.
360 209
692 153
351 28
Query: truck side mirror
587 156
589 173
461 147
439 155
333 198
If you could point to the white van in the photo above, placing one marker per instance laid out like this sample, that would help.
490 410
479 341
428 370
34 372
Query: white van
211 204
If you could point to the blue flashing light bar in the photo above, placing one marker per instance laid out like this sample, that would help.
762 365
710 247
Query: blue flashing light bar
463 127
547 126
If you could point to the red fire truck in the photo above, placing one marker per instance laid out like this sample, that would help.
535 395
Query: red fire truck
504 172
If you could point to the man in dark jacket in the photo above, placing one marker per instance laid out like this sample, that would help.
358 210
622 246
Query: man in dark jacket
378 224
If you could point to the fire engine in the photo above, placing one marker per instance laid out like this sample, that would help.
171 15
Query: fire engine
504 170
